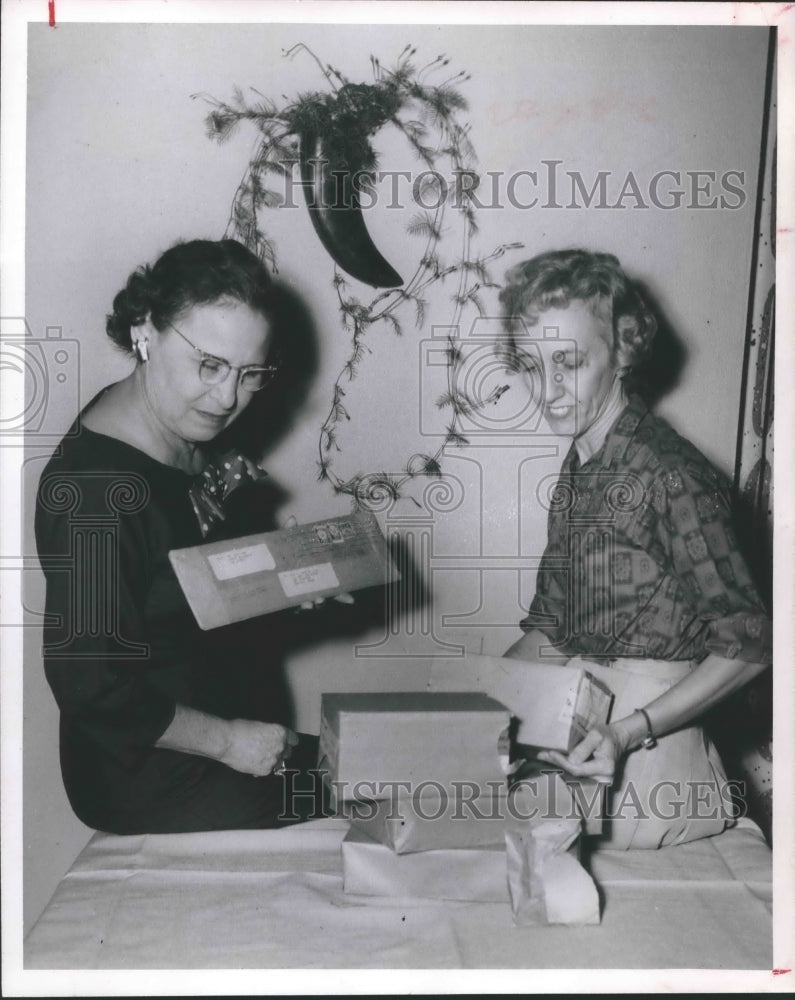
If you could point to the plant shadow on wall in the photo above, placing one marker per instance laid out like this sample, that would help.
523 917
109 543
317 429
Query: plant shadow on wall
327 134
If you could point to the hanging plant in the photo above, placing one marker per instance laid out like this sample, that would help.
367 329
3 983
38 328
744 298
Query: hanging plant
329 134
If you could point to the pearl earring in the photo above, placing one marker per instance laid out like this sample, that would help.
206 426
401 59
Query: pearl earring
142 347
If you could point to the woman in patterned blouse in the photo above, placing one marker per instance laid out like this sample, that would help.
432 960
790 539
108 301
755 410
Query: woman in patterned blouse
641 577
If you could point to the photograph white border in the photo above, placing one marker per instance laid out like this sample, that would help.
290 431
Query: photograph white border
16 15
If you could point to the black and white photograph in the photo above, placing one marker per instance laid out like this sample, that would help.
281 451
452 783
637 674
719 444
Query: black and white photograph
396 497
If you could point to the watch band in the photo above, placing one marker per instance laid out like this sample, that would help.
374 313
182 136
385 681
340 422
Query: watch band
649 741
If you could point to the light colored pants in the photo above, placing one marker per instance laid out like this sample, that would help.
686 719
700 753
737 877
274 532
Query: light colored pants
670 794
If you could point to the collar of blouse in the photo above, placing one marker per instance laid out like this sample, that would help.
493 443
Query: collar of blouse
215 484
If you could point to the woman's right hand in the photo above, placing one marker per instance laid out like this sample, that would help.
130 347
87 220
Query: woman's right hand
256 747
596 755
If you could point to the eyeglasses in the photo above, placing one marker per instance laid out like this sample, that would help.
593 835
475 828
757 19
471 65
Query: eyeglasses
213 371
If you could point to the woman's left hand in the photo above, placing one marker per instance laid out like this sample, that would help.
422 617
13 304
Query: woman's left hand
595 756
343 598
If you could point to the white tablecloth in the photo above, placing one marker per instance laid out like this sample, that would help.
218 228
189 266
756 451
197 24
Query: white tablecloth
274 899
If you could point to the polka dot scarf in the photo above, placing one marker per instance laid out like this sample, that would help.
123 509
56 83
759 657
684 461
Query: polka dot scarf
214 485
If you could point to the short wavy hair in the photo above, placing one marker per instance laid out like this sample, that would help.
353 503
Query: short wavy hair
552 280
193 273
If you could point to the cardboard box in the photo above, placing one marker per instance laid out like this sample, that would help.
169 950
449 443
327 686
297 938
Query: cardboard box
555 704
433 820
375 746
229 581
372 869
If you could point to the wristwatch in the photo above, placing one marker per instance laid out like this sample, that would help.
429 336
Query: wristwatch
649 741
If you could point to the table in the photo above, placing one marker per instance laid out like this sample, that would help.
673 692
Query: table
274 899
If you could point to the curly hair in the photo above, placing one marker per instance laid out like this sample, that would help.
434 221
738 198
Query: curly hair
188 274
552 280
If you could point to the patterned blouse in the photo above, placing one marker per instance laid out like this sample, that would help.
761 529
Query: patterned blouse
641 558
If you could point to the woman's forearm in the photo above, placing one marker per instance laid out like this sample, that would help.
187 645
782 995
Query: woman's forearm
196 732
245 745
535 647
714 679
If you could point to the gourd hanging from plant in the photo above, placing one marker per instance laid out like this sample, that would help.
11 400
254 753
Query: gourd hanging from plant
335 157
337 214
329 135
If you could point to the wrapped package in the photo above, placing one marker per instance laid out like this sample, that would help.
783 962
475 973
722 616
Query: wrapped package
435 819
376 746
546 881
555 704
475 873
239 578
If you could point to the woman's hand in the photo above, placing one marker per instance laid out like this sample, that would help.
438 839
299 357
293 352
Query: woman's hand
317 602
243 744
712 680
256 747
595 756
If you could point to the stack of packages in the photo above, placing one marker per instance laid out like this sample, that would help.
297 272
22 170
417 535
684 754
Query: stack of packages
424 779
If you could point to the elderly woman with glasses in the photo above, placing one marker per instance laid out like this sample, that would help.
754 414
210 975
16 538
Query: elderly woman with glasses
641 581
164 727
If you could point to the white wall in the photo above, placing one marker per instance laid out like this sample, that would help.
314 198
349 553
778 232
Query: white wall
119 167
